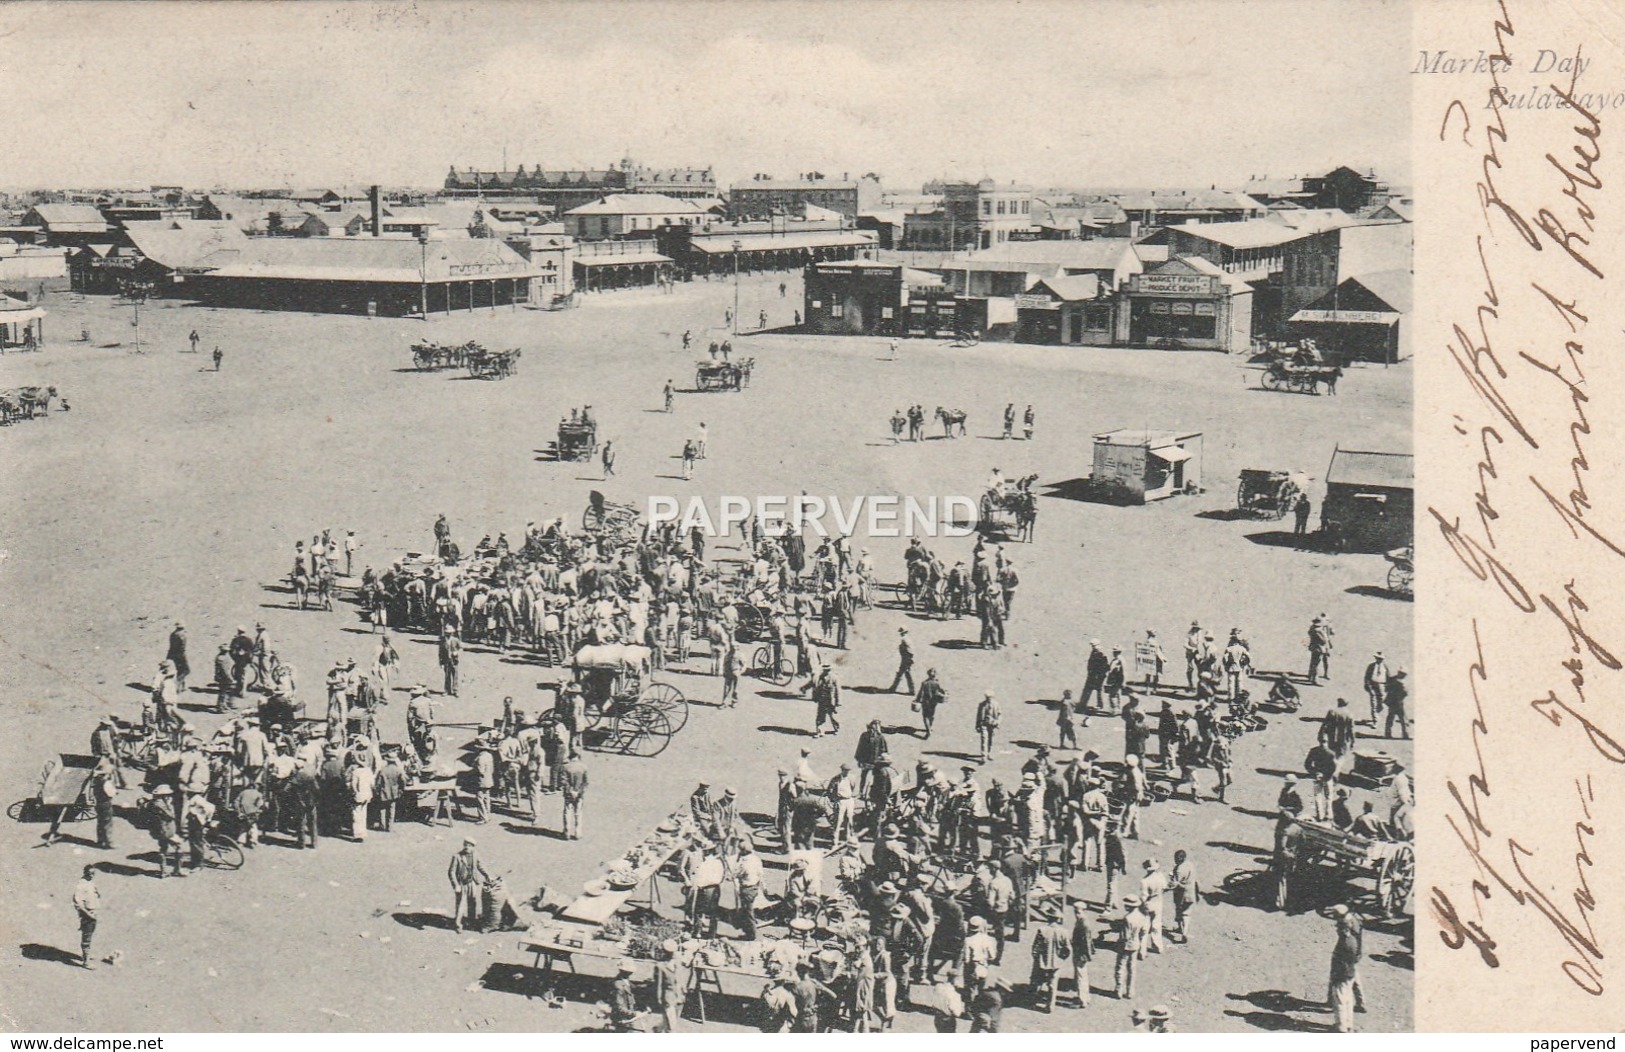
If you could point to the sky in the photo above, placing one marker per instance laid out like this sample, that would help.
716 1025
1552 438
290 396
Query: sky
1123 93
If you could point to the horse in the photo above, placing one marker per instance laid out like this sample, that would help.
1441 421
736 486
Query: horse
951 419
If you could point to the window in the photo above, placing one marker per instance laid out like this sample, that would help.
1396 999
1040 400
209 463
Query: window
987 207
836 310
1001 208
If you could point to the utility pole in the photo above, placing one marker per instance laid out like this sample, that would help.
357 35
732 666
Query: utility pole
737 246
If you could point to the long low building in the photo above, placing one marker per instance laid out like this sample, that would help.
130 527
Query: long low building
369 275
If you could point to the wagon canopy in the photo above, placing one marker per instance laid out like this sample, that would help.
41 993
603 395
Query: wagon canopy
613 655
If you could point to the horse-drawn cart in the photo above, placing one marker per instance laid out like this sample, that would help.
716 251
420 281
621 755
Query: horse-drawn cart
605 516
1288 375
578 440
427 356
1401 570
1266 494
1009 509
626 711
493 365
1311 849
722 376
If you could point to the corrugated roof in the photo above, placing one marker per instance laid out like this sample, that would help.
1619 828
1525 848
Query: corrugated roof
616 261
185 244
1353 467
1071 287
1098 254
71 217
1393 287
377 259
723 243
1248 233
635 205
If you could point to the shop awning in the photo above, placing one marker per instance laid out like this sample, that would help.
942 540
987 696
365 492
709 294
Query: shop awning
1349 317
616 261
8 317
1171 454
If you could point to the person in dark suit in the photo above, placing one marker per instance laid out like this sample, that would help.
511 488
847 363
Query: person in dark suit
1094 681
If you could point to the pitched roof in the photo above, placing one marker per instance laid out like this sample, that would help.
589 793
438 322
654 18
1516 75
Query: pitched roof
70 216
375 259
187 244
1247 233
1393 287
636 205
1234 282
1070 287
1098 254
1353 467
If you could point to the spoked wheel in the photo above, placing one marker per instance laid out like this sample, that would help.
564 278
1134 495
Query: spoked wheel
590 519
1395 881
784 673
751 625
641 731
1273 381
669 701
761 663
222 853
1399 579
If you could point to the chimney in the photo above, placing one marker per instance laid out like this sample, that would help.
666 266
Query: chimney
377 210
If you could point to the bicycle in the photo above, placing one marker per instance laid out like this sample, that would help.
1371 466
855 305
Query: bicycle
763 666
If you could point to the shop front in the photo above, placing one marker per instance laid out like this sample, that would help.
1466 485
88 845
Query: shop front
1184 305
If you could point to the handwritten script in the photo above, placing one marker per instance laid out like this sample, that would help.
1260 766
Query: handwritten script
1527 417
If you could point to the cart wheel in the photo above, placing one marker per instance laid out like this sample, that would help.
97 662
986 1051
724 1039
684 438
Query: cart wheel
669 701
1399 580
643 731
752 625
23 810
222 853
78 812
1396 880
1272 381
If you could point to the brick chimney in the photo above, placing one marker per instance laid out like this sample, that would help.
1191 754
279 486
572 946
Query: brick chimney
377 210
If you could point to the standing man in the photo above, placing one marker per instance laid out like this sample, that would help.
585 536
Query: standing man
1135 926
1094 681
87 902
218 356
350 545
1376 685
699 441
608 457
1395 699
987 724
573 783
1343 991
451 655
194 339
730 675
389 788
1320 649
467 874
892 349
930 696
1009 419
1083 950
177 657
242 655
826 694
224 678
165 830
1337 729
669 393
103 784
1300 515
1153 886
905 663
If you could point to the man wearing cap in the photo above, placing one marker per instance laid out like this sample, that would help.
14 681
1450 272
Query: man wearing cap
87 903
102 786
1376 685
981 951
623 1001
1394 699
1081 945
466 873
931 695
1134 928
826 694
307 799
1337 729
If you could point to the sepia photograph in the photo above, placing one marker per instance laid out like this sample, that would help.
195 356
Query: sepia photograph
811 517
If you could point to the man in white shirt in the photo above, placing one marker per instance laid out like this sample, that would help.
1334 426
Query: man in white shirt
843 789
1153 886
706 895
87 902
748 874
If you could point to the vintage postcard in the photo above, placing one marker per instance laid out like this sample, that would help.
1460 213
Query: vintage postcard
821 516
